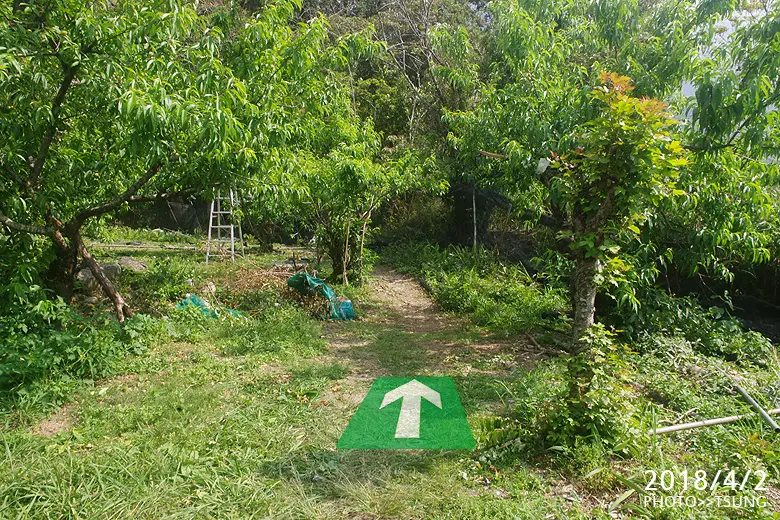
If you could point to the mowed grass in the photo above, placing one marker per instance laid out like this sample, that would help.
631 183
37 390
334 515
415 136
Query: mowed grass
240 418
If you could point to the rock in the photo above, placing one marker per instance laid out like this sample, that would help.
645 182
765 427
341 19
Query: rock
209 290
84 275
131 264
88 281
111 270
85 299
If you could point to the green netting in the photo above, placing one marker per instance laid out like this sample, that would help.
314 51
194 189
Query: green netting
196 301
307 285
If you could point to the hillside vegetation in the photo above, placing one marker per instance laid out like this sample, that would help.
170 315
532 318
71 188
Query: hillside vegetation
569 207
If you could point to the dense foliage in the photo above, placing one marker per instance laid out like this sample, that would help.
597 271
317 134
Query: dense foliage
631 148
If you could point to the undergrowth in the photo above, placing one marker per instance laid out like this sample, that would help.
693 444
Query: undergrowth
127 234
50 350
498 295
592 416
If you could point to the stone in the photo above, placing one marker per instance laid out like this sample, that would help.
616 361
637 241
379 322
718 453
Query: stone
209 290
111 270
131 264
84 275
88 281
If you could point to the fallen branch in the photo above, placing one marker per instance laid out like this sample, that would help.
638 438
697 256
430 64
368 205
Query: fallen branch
120 307
708 422
539 349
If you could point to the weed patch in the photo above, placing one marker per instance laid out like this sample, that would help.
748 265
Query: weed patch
497 295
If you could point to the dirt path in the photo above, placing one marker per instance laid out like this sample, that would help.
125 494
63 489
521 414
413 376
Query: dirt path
403 332
410 307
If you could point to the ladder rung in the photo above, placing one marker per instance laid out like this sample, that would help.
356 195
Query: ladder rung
222 227
222 212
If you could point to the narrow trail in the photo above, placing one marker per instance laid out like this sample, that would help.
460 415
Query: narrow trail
402 332
409 307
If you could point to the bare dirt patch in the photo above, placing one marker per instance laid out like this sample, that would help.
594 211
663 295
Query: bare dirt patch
411 309
773 495
61 421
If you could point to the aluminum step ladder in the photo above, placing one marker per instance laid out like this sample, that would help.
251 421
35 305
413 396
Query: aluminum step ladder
221 221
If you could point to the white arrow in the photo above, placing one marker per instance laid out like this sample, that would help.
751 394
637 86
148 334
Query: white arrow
411 395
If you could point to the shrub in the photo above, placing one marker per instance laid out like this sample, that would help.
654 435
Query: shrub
40 337
712 331
167 280
497 294
416 215
598 404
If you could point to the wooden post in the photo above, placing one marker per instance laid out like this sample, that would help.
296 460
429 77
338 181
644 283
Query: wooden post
474 210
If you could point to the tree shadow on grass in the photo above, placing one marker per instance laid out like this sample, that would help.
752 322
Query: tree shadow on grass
327 472
378 349
382 349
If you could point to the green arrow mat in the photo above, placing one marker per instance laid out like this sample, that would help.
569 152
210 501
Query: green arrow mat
376 422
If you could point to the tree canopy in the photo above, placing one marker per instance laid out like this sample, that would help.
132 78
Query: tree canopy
322 112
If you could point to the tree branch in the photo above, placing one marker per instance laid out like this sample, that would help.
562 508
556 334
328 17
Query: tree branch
120 306
166 195
492 155
48 136
81 217
12 174
24 228
706 147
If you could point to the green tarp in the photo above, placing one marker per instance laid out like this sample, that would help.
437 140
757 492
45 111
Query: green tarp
307 285
193 300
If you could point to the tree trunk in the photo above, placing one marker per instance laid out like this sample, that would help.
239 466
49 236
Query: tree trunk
62 269
335 248
120 307
474 212
346 260
362 247
584 298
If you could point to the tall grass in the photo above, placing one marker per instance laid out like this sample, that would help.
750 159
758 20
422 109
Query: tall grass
498 295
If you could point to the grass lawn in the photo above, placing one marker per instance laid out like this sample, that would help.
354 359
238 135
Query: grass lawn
239 418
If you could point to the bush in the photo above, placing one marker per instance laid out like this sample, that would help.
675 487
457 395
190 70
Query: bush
167 280
712 331
598 404
498 295
41 337
572 406
414 216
